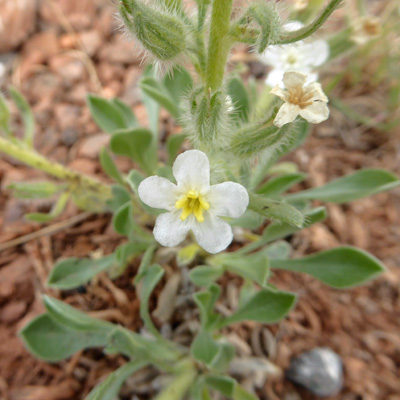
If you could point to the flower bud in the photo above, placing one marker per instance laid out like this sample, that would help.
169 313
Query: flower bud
207 121
159 31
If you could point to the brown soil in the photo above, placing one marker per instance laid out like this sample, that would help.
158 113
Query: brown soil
74 50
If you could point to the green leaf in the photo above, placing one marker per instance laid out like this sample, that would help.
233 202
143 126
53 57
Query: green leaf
107 115
250 220
279 184
135 144
127 113
57 209
265 306
71 318
275 210
279 250
150 277
278 230
240 393
240 99
152 107
120 196
204 275
351 187
109 388
49 341
178 83
26 114
34 190
158 92
4 115
109 167
174 143
204 348
205 301
74 272
226 353
340 268
253 266
224 384
123 220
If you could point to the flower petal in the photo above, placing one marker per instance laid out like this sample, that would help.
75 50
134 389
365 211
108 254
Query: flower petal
293 26
287 113
158 192
277 91
317 112
228 199
213 235
318 94
272 56
294 79
275 77
170 230
192 170
316 53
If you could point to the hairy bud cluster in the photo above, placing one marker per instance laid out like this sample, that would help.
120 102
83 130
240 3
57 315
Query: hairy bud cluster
207 120
159 30
265 16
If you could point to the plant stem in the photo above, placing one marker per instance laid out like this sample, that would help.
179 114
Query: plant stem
312 27
219 43
30 157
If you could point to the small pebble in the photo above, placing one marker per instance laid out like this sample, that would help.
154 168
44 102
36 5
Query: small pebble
319 370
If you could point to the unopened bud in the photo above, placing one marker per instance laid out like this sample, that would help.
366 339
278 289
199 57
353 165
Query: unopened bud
159 31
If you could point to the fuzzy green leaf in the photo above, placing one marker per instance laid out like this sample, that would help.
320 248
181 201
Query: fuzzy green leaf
109 167
279 184
109 388
26 114
240 99
224 384
340 268
174 143
355 186
265 306
74 272
34 190
204 275
49 341
135 144
107 115
204 348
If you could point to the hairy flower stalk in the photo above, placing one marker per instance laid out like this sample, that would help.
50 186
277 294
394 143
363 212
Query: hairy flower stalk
193 204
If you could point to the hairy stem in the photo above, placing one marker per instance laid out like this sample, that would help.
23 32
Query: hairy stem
30 157
219 43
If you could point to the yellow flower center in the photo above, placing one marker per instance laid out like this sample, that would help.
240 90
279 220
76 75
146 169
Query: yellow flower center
192 202
300 97
292 59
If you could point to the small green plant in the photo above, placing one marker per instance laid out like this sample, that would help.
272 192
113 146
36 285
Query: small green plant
232 179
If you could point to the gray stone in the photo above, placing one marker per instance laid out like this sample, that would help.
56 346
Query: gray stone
319 370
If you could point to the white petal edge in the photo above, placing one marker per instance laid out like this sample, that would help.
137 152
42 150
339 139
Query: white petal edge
292 79
287 113
275 77
170 230
316 52
277 91
293 26
158 192
228 199
213 235
191 170
272 56
316 112
318 94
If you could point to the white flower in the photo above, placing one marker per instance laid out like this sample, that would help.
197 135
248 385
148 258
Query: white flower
300 56
365 29
193 204
307 101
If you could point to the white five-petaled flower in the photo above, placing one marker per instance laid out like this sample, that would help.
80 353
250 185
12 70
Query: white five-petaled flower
308 101
365 28
300 56
193 204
